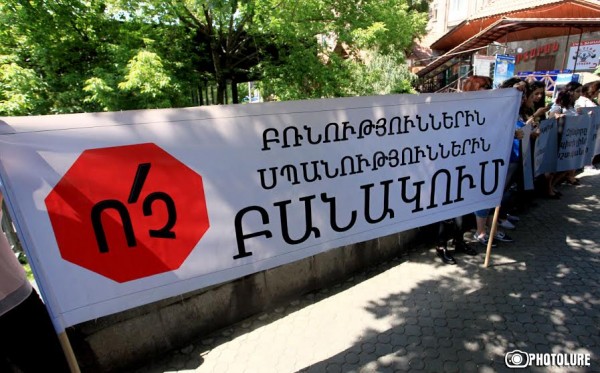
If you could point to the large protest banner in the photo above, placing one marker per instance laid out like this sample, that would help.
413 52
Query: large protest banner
117 210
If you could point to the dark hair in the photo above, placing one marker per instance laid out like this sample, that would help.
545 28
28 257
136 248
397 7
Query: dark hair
537 85
566 96
525 111
476 83
510 82
572 86
588 88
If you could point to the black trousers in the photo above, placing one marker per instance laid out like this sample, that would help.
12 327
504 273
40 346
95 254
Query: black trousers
452 228
28 340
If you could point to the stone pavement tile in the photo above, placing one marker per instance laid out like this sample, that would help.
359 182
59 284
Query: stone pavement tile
540 295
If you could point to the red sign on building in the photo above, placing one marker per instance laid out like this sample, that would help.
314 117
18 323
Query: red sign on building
549 48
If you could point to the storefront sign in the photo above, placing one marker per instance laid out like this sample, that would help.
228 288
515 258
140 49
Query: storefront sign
533 53
584 56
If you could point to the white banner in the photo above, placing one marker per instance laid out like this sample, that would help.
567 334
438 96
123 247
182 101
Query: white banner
546 148
117 210
594 139
573 149
526 158
573 144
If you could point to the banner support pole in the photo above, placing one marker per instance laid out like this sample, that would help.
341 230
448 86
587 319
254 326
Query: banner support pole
491 238
68 351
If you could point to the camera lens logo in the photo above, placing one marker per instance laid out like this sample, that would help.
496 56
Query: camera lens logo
516 359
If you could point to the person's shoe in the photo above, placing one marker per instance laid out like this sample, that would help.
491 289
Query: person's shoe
552 196
503 237
506 224
463 247
446 257
483 240
513 219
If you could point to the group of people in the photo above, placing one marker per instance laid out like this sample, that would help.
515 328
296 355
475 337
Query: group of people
573 99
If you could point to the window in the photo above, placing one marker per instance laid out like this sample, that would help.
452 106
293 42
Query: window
457 11
433 11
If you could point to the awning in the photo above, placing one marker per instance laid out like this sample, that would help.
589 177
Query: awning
534 9
513 29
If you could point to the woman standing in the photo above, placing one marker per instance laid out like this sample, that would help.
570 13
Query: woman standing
565 106
453 228
588 92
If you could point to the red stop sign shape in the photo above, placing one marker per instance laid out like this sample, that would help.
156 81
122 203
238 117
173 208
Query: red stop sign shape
128 212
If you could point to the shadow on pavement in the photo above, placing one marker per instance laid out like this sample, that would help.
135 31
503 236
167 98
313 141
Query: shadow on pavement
541 295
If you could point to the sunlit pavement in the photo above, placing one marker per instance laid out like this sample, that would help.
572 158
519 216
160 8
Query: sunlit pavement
541 295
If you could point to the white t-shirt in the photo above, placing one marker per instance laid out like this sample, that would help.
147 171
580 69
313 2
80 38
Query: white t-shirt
557 109
583 101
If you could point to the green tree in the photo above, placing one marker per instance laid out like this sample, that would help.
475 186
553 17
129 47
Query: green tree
326 44
221 42
287 44
21 90
76 53
380 75
92 55
57 43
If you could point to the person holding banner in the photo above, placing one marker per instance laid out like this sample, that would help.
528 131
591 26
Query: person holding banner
27 338
515 173
533 109
589 93
538 95
483 218
565 106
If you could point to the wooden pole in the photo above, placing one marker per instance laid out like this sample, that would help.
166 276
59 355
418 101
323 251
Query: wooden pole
68 351
491 238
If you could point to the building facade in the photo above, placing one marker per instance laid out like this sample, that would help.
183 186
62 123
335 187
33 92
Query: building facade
543 36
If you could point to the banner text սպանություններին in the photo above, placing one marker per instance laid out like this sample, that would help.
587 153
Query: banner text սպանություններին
238 189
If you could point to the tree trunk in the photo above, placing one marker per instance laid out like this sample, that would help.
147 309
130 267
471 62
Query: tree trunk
221 87
234 92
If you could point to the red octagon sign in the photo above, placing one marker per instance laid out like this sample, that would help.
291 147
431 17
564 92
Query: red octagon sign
128 212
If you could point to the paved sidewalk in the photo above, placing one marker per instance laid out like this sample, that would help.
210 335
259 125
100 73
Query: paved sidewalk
415 314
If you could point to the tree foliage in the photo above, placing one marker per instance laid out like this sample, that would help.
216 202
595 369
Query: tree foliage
311 70
98 55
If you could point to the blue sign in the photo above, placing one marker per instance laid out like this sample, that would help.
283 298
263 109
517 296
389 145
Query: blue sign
504 68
